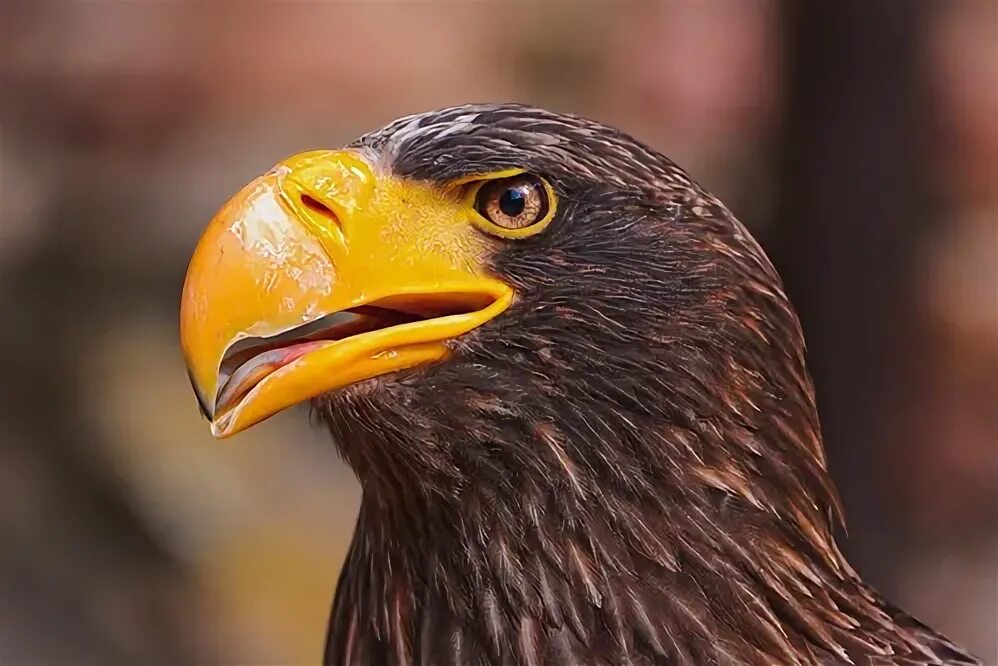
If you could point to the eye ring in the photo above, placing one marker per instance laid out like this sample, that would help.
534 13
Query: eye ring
513 205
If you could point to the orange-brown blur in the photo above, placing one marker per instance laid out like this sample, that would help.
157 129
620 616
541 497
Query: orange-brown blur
858 140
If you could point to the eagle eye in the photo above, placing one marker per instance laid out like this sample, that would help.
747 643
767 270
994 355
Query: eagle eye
513 206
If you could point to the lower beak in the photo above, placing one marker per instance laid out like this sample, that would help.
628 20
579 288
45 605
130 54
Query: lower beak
316 276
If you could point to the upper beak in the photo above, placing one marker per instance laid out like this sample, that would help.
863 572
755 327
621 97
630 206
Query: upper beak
317 275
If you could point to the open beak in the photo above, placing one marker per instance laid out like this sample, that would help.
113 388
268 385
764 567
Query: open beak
320 274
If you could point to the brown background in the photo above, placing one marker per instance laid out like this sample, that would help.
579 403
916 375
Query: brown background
858 139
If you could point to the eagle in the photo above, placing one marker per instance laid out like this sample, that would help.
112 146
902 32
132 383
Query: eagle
572 389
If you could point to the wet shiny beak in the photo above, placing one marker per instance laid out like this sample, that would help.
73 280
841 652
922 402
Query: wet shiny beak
318 275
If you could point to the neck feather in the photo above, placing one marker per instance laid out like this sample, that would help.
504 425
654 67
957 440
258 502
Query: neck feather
594 564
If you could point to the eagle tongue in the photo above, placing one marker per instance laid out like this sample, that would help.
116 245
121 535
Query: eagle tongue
253 371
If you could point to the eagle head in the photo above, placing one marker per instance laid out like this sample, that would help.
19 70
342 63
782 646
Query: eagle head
571 387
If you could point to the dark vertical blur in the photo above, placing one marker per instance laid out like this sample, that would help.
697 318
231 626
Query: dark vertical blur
858 208
857 139
852 202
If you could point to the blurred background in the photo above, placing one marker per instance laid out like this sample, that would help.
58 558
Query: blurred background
858 139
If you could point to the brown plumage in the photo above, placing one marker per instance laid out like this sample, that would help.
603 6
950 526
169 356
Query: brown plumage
625 467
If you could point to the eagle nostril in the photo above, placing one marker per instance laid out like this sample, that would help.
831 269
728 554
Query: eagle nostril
310 209
320 212
317 207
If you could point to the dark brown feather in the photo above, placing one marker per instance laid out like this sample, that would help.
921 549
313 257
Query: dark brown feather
624 468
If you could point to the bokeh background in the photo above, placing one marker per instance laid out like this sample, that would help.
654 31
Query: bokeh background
858 139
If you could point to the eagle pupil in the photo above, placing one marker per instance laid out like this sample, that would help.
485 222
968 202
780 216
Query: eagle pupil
513 201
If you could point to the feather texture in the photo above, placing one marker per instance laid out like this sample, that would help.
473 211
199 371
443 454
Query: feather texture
625 468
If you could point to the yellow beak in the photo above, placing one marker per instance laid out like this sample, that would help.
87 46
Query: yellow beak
320 274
